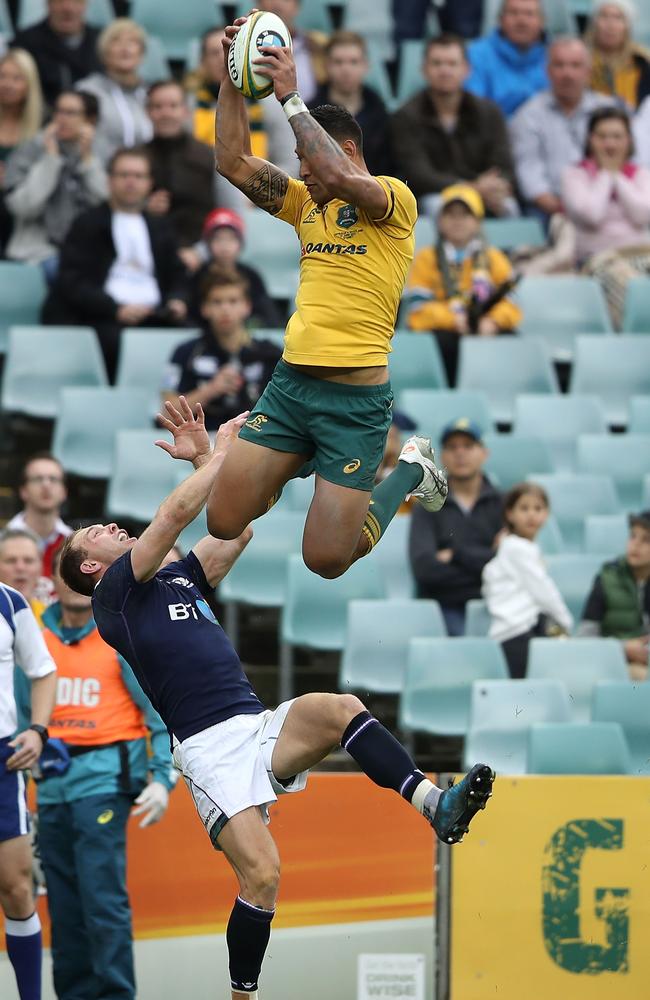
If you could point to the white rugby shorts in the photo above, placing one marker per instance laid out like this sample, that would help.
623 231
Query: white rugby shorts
227 767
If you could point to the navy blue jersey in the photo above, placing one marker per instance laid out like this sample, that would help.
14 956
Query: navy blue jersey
182 658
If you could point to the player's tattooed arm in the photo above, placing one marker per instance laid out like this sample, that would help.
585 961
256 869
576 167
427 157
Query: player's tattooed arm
266 187
323 153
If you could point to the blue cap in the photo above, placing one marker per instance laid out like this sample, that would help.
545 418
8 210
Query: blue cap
462 425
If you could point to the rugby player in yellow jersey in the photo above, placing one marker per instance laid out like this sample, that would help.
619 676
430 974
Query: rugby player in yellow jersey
329 401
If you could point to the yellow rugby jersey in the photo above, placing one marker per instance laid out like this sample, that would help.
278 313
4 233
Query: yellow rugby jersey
352 274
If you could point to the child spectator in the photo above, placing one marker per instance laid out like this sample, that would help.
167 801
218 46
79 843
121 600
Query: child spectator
21 116
219 249
223 369
521 597
459 286
619 602
619 66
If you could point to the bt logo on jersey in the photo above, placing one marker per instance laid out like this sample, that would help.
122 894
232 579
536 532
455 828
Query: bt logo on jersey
181 612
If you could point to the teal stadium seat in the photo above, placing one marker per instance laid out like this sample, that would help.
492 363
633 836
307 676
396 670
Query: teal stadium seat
439 678
273 248
510 234
559 420
391 556
646 492
409 74
432 410
379 80
512 457
574 575
579 663
155 64
174 23
6 27
374 24
43 360
88 419
501 714
297 495
550 538
614 368
587 748
477 618
558 308
502 368
572 497
558 17
639 415
377 642
636 315
142 476
415 363
22 291
425 232
314 15
273 333
625 457
144 355
606 534
99 13
628 704
315 611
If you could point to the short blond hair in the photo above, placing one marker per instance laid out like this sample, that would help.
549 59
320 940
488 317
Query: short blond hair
120 26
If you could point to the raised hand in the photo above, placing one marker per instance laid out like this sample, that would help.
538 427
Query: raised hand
191 440
228 432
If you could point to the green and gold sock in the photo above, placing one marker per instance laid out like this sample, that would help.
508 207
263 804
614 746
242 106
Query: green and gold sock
387 498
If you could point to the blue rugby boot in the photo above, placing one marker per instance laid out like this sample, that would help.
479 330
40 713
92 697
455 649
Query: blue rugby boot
459 803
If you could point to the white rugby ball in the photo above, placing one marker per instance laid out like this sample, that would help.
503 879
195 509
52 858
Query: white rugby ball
260 29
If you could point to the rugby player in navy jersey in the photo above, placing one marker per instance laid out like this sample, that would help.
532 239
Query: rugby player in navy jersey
235 755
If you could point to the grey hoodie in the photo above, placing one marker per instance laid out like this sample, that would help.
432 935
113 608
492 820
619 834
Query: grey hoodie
123 120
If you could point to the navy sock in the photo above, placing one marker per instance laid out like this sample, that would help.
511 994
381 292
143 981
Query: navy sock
247 936
24 948
378 753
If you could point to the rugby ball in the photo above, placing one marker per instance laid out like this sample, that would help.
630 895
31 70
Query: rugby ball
260 29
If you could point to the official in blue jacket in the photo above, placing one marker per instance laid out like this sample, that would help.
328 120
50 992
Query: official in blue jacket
509 64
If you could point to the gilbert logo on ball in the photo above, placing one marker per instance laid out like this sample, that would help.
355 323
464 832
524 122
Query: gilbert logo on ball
260 29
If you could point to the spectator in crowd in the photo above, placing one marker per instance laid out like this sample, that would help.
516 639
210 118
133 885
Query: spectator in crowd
223 369
21 643
347 68
103 719
122 96
20 568
21 116
308 47
641 129
509 64
43 493
120 265
461 17
445 134
63 45
182 167
521 597
452 285
51 178
548 131
448 550
619 66
219 249
619 603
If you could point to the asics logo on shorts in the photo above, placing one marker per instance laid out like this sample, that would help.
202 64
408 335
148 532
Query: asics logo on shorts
352 466
256 423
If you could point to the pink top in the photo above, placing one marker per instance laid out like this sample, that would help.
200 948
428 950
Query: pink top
608 210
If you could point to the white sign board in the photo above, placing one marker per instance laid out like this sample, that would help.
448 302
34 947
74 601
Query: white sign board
391 977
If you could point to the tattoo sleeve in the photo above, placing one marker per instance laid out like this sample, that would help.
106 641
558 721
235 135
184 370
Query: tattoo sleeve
267 188
315 144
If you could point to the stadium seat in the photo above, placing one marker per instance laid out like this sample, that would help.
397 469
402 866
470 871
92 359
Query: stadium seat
391 556
558 17
155 64
580 663
438 684
298 495
550 538
574 575
559 307
87 422
559 420
314 15
144 355
572 497
377 641
636 316
477 618
646 492
142 476
415 363
379 80
315 611
273 248
629 705
502 712
99 13
587 748
425 232
6 27
273 333
193 533
376 29
174 23
614 368
624 456
409 74
259 577
606 534
512 457
503 367
42 360
509 234
639 415
433 409
22 290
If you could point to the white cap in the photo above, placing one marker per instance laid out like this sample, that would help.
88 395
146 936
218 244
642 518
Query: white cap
625 6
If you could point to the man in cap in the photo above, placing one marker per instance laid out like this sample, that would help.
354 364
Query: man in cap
449 550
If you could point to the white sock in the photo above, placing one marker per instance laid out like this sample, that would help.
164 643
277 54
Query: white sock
426 790
23 928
